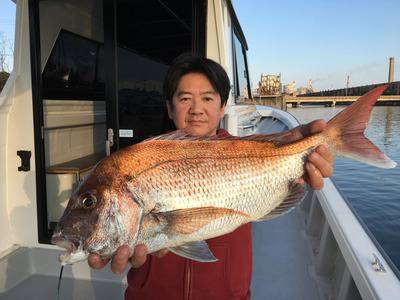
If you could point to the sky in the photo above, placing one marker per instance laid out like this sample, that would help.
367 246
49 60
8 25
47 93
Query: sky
7 27
322 40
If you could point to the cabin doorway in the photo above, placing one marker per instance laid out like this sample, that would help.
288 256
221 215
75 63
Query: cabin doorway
97 73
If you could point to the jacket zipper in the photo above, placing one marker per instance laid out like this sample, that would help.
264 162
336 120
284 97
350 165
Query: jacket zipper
187 280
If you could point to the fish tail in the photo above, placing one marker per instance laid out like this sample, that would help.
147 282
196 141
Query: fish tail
346 130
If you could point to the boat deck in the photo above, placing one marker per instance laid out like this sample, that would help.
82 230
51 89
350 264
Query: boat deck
282 259
32 273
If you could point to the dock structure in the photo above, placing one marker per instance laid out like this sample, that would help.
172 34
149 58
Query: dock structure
332 101
331 98
391 96
275 101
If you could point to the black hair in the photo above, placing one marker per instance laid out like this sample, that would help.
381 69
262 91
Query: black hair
190 63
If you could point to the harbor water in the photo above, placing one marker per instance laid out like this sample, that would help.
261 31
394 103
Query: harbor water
373 193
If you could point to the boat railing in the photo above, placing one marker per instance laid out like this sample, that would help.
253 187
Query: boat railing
346 259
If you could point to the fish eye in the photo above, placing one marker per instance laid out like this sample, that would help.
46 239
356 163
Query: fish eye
89 201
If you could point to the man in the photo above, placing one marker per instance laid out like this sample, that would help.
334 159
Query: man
197 90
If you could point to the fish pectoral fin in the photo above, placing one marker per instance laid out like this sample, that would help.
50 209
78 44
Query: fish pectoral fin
197 251
189 220
296 194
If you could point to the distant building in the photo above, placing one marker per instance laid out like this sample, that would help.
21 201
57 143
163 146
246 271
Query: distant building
310 87
269 84
391 69
306 90
290 88
302 90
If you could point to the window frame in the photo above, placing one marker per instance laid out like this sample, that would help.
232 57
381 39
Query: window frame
236 34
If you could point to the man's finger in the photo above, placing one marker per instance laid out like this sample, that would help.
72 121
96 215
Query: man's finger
139 256
314 177
120 259
302 131
96 262
292 135
326 154
312 127
322 163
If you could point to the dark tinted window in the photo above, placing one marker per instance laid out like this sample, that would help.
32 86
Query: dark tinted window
160 30
150 35
74 69
141 105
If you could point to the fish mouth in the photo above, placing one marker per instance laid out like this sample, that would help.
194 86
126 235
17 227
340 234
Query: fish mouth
63 243
74 250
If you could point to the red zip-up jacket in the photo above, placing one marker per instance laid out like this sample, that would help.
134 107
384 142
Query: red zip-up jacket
174 277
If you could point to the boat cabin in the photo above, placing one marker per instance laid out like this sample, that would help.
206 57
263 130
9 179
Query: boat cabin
97 75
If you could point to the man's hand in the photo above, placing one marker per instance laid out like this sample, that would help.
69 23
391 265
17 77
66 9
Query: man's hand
320 162
122 257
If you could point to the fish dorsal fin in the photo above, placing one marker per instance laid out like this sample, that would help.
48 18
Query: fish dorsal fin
197 251
296 194
178 135
181 135
173 135
189 220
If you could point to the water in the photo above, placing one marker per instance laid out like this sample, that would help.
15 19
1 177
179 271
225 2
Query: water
374 193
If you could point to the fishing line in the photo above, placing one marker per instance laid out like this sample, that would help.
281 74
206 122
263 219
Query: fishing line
59 282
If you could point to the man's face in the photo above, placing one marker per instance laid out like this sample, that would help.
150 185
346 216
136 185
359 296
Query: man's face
196 106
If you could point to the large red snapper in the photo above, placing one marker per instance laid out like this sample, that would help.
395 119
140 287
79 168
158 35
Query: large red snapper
176 191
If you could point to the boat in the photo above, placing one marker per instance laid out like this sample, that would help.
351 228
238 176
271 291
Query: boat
87 81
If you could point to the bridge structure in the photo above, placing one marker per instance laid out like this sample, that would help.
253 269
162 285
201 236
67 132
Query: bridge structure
331 101
391 96
344 96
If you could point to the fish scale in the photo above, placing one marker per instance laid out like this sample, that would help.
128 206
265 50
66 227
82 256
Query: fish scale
248 185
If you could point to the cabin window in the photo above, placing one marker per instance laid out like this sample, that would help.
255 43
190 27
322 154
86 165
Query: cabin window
74 70
159 30
150 35
142 110
241 74
7 23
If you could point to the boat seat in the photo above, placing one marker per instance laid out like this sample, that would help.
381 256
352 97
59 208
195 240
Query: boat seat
61 181
77 166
